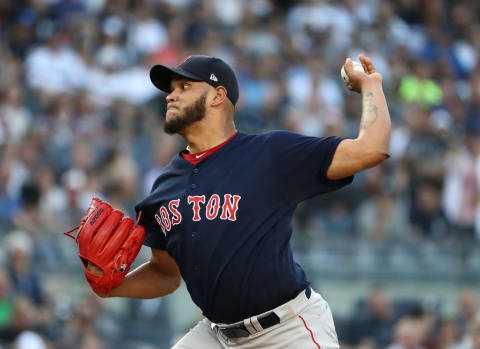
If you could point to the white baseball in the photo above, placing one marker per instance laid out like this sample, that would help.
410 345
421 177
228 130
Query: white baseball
356 66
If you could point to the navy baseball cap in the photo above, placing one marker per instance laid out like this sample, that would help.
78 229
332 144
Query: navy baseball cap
211 70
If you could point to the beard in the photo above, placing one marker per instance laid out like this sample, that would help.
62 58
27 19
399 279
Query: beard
191 114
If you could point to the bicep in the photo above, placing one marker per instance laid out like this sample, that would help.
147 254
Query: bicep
353 156
162 261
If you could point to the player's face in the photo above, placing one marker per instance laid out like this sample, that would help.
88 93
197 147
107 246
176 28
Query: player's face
184 106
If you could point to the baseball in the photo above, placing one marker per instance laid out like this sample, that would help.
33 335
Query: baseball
356 66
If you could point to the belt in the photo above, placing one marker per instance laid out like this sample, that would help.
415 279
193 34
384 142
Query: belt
266 322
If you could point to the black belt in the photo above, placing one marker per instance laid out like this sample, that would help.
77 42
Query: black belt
266 322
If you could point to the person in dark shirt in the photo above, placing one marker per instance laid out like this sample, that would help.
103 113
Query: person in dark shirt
376 320
220 214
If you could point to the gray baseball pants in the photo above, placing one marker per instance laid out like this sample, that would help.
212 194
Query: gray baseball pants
305 323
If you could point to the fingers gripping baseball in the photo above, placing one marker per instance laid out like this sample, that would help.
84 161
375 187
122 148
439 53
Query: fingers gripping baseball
108 244
356 74
367 64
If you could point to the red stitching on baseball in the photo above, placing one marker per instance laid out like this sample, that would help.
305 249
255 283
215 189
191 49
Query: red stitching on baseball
309 330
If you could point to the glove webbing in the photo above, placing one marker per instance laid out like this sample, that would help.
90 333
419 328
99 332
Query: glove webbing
78 226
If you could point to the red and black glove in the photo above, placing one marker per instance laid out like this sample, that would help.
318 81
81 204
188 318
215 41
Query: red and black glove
110 241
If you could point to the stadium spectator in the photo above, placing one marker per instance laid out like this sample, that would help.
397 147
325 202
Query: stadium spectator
81 330
375 320
467 310
6 300
448 335
23 279
406 335
472 337
460 200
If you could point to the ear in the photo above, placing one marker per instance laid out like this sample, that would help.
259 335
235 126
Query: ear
219 96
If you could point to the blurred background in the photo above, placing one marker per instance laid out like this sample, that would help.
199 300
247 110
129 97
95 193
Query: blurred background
396 254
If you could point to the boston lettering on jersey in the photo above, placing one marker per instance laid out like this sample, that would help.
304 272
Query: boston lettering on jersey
167 218
227 220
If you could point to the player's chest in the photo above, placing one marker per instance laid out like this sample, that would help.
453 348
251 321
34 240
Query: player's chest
212 195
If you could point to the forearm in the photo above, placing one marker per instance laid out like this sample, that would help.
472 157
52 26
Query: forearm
374 132
146 282
370 148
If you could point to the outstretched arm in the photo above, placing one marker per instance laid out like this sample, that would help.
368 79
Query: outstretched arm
156 278
371 146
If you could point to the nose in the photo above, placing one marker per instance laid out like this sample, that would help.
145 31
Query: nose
171 97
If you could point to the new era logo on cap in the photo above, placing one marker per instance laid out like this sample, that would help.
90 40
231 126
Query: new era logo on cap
211 70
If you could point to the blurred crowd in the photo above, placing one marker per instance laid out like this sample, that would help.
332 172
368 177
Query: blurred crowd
379 322
79 118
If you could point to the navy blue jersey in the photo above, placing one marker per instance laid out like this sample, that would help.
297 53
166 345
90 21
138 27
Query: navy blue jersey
227 221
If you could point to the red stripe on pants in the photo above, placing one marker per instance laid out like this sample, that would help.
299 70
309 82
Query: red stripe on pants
309 330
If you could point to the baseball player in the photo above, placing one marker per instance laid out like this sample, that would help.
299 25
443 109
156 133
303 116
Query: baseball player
220 214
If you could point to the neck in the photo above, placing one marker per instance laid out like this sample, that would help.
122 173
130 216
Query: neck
201 138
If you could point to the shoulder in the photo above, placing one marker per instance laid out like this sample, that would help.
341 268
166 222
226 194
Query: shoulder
281 135
264 140
277 136
265 135
172 169
288 139
280 141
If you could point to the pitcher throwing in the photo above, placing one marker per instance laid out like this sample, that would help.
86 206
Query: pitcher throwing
220 214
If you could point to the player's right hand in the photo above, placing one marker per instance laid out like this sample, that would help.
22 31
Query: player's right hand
358 79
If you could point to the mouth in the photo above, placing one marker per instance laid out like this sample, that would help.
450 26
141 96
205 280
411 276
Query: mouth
172 112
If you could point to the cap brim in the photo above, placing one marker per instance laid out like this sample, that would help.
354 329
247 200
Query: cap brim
161 76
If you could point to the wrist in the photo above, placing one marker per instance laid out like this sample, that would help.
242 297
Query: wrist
370 84
102 295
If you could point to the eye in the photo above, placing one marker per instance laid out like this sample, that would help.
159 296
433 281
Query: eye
185 85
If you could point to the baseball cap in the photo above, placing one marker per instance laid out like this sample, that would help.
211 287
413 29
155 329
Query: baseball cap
211 70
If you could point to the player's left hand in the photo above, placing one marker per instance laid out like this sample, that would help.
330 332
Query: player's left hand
94 269
108 243
359 79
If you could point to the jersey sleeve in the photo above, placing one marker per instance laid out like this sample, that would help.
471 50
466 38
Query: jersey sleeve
154 236
301 164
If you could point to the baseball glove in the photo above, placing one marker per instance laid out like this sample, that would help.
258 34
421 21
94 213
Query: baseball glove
108 240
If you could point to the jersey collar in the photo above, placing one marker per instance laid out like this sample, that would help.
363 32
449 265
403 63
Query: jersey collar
200 156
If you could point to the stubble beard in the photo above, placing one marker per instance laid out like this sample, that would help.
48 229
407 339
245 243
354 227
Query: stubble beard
191 114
